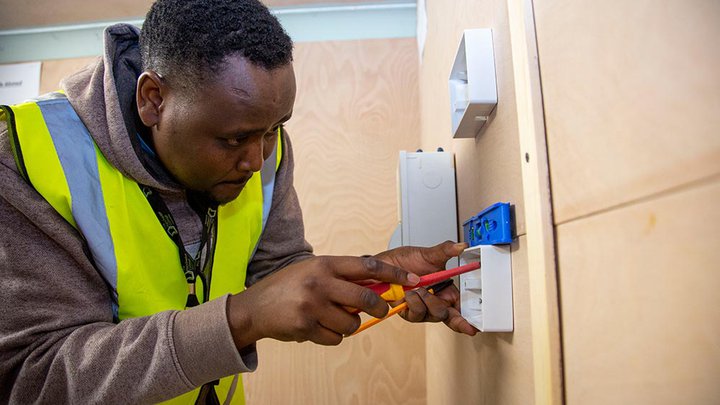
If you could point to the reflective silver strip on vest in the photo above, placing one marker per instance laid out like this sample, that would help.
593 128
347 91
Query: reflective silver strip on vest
76 151
267 174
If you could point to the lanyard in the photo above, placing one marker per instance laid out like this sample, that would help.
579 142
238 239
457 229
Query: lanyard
191 265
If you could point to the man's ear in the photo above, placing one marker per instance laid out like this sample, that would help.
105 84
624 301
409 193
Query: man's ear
149 97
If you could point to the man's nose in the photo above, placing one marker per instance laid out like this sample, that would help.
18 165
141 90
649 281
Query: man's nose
252 157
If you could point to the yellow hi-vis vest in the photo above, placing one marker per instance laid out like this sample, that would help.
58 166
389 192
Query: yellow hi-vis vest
55 153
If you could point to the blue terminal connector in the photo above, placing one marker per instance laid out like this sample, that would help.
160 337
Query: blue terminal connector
490 227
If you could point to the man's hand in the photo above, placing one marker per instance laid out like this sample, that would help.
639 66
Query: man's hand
308 300
423 306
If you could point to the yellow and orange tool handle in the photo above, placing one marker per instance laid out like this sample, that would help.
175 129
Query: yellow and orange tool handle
395 310
394 292
375 321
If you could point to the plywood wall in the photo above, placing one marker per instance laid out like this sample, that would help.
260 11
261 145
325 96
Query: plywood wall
632 102
490 368
53 71
357 106
632 98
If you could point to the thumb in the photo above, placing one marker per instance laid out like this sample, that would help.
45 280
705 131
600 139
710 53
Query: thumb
438 255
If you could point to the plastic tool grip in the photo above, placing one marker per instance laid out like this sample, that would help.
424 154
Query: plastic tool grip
394 292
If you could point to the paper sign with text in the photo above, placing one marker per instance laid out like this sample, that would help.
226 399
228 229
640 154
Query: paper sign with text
19 82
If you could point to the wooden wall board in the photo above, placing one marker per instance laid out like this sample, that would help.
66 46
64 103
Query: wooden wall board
383 365
21 13
357 106
640 302
488 167
53 71
37 13
631 95
490 368
538 207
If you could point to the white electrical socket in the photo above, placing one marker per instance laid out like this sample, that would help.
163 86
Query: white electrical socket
486 294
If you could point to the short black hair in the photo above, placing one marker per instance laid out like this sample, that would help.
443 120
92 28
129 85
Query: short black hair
182 39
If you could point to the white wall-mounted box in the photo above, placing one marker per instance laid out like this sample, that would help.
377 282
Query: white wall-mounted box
486 294
426 200
472 84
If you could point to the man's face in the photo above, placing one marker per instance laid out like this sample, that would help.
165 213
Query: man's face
214 140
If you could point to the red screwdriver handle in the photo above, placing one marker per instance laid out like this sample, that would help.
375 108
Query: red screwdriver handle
428 279
439 276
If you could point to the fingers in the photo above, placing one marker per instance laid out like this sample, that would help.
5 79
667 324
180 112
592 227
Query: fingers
438 255
450 294
334 325
355 296
456 322
326 337
354 269
422 260
321 322
425 307
350 295
327 330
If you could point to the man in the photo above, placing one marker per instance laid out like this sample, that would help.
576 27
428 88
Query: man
139 204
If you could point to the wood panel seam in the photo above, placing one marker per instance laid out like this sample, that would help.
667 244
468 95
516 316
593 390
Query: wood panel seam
647 198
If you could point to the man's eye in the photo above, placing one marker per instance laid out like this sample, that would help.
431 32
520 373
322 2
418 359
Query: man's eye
234 141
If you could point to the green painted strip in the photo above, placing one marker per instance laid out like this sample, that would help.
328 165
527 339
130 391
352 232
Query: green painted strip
349 22
304 24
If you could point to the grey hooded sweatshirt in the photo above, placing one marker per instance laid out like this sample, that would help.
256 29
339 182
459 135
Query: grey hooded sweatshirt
58 341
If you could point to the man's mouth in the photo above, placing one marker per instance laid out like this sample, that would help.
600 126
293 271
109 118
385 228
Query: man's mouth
237 182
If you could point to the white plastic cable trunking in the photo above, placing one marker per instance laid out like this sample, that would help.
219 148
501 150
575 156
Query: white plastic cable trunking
472 84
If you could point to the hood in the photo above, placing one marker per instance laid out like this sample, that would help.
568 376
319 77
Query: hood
103 94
